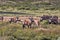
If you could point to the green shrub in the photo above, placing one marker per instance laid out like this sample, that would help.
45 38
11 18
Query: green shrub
44 22
51 8
45 3
33 8
27 8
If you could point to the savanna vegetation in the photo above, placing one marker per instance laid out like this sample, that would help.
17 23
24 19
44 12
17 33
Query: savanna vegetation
14 31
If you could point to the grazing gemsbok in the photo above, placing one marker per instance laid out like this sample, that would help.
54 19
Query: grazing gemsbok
53 20
45 17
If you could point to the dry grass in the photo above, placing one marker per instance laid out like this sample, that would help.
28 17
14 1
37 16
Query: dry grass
8 30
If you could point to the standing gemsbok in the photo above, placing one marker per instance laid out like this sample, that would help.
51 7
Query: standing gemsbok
28 23
1 18
14 19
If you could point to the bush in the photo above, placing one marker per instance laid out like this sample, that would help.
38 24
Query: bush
10 38
45 3
44 22
20 8
33 8
45 38
52 8
27 8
